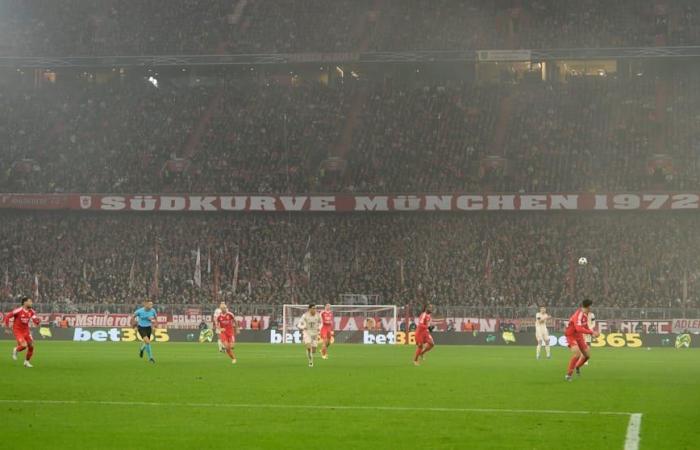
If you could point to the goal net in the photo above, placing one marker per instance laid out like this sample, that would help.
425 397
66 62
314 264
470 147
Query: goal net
372 318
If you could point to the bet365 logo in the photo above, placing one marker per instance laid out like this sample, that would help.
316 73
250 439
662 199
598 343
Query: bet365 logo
116 335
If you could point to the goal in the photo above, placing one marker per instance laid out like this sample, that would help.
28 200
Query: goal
373 318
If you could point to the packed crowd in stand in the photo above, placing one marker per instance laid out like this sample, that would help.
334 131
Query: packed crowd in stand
497 260
120 27
259 135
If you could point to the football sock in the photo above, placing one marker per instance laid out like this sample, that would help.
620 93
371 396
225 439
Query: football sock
582 360
148 351
572 364
30 352
539 348
20 348
547 350
229 353
418 352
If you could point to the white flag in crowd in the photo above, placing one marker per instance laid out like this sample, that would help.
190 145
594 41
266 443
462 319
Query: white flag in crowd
198 270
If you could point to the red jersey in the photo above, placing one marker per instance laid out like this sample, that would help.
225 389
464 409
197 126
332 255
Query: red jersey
578 324
21 318
423 322
327 318
225 322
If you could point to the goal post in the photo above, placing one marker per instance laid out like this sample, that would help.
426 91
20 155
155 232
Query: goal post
382 318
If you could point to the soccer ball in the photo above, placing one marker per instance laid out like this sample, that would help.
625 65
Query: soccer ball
582 261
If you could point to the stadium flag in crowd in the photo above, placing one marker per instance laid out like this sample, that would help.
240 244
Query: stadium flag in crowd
153 292
6 289
198 269
209 261
236 265
488 265
570 280
132 273
216 285
307 265
36 288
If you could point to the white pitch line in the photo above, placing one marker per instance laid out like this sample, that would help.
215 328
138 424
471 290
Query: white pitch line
633 427
326 407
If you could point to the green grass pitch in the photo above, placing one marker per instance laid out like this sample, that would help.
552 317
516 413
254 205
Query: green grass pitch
101 395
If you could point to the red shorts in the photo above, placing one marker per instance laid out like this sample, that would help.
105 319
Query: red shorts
227 338
25 336
326 333
576 340
423 337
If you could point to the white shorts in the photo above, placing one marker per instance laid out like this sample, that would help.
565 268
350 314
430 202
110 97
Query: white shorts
542 335
311 340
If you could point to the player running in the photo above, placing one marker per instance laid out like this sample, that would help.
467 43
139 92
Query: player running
227 329
326 330
575 330
144 320
310 324
541 333
21 317
217 313
424 340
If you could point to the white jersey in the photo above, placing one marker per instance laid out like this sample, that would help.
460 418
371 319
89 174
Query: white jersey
541 321
541 332
591 324
311 325
591 320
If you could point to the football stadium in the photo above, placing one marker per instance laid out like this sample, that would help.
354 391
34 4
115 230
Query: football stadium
345 224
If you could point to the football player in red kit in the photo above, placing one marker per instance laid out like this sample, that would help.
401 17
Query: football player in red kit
21 316
326 330
424 341
227 327
575 331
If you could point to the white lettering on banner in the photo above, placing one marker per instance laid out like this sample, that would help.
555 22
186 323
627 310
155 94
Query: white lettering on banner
323 203
563 201
502 202
349 203
172 203
202 203
143 203
262 204
438 202
470 202
378 203
113 203
232 203
293 203
407 203
533 202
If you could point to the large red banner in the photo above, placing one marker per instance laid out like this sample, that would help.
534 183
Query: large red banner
356 203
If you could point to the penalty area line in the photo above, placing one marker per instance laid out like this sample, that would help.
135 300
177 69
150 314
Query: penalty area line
633 428
323 407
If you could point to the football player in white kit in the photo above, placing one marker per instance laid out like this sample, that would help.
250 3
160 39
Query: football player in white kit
310 323
217 313
541 333
591 325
